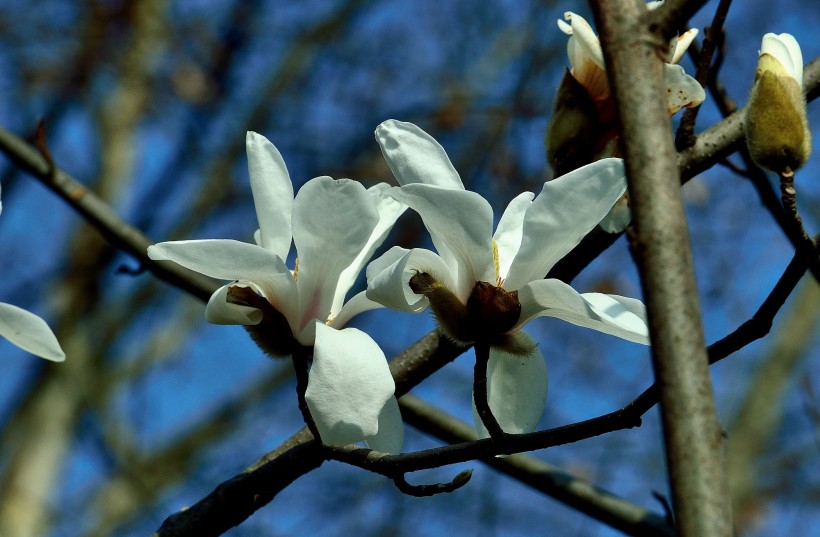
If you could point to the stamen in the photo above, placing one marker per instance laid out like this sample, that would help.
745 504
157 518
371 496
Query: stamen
296 270
497 265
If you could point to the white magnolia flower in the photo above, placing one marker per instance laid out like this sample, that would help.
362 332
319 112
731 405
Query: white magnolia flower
336 225
28 331
587 61
532 235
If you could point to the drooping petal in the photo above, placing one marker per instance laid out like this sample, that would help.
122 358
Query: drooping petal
786 50
220 311
562 214
516 390
510 230
388 277
389 211
332 222
29 332
414 156
348 385
460 223
233 260
618 316
272 193
356 305
682 91
390 438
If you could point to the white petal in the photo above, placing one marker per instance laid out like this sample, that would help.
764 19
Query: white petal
510 230
356 305
414 156
681 43
562 214
389 211
618 316
29 332
220 311
586 38
460 223
390 438
682 91
332 222
233 260
516 390
786 50
348 385
388 277
272 193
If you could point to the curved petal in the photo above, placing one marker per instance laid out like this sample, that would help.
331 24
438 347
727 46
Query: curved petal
681 43
272 193
390 438
348 385
562 214
231 260
356 305
414 156
460 223
388 278
220 311
611 314
29 332
389 211
510 230
332 222
516 390
682 91
786 50
586 38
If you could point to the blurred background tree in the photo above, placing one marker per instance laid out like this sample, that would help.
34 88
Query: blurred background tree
147 102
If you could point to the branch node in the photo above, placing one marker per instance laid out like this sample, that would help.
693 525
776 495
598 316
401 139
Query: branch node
421 491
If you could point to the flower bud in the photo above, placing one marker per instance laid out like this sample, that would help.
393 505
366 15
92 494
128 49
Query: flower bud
573 127
777 131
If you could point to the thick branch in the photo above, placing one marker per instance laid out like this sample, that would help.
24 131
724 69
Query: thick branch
693 436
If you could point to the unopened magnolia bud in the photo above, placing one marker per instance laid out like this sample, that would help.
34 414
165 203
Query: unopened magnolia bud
573 128
273 333
451 314
777 131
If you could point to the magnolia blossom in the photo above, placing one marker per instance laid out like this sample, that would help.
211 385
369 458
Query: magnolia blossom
533 233
336 225
28 331
587 61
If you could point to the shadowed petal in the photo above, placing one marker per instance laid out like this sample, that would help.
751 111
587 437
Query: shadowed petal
786 50
562 214
618 316
390 437
388 277
683 91
516 390
356 305
272 193
29 332
348 385
510 231
414 156
220 311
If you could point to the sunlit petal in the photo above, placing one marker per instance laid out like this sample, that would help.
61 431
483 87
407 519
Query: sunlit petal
414 156
390 437
348 385
388 277
586 38
29 332
460 223
516 390
510 230
562 214
610 314
332 222
786 50
681 44
272 193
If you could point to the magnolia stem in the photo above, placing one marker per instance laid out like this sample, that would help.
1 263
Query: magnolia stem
788 196
482 357
300 358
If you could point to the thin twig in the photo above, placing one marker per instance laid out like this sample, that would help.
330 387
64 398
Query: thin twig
482 357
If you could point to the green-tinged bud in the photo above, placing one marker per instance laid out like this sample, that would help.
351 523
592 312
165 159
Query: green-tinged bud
777 130
573 128
273 333
451 314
